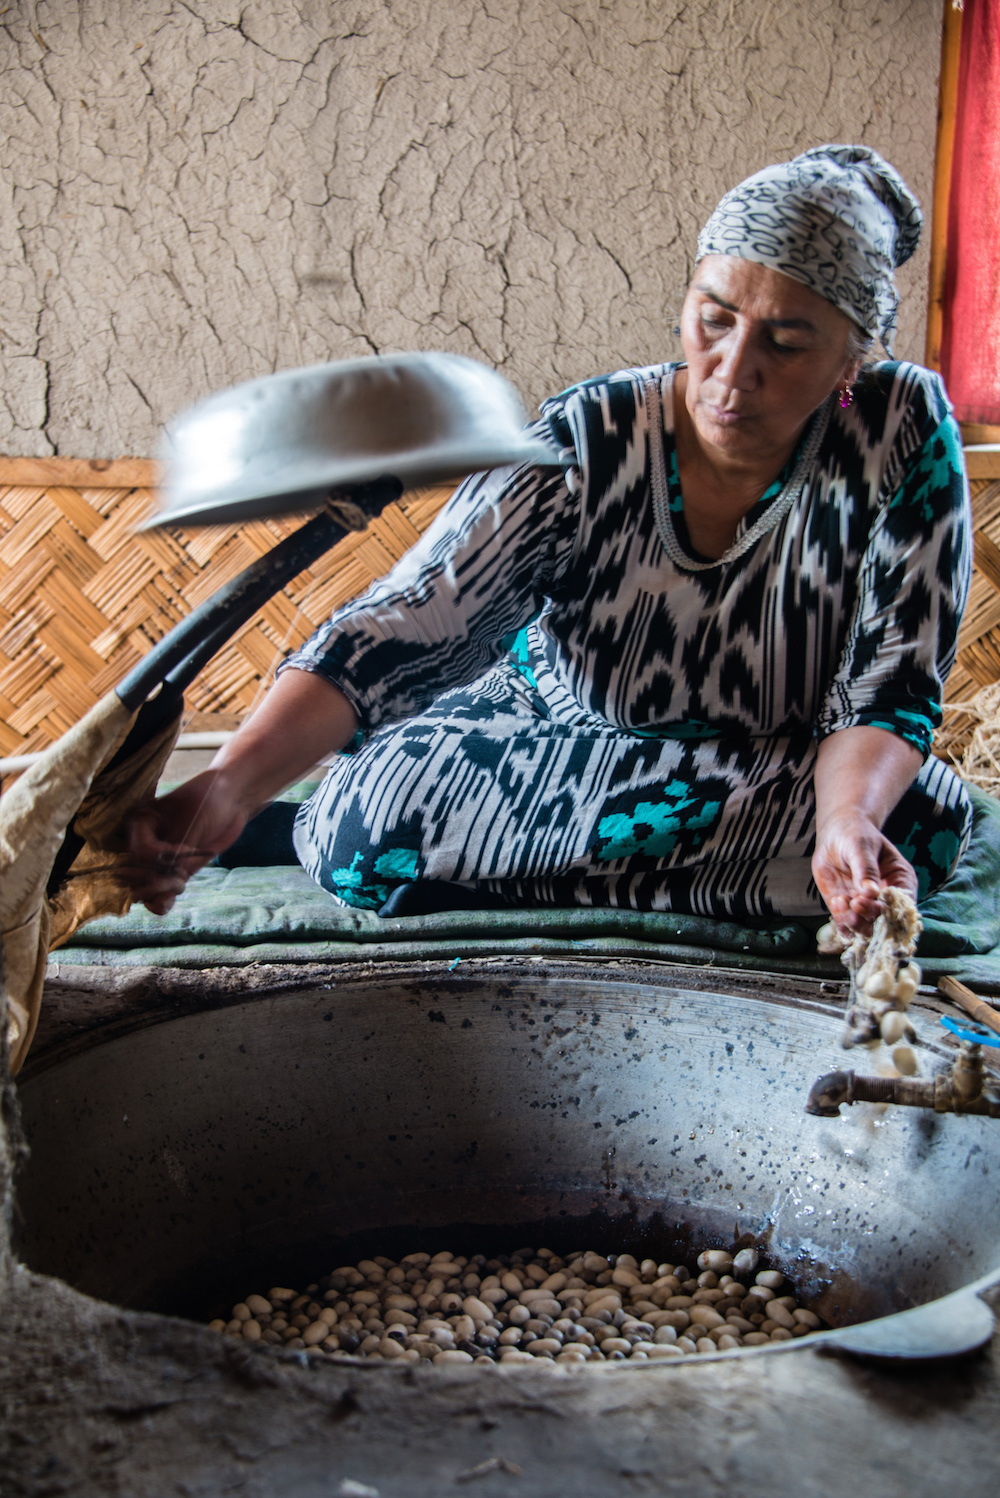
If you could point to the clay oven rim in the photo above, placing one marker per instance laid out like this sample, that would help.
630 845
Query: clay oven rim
99 1008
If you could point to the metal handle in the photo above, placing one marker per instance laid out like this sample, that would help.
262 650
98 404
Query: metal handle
222 614
976 1035
175 661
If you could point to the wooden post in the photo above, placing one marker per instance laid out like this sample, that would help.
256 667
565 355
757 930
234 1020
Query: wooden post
947 105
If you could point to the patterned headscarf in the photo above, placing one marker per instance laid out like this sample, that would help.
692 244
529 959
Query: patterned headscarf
837 218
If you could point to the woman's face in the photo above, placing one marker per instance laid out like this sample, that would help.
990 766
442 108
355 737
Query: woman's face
762 351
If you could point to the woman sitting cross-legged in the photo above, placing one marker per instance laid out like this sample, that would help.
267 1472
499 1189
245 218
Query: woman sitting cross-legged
700 669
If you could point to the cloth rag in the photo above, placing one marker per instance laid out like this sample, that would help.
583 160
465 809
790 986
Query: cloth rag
74 786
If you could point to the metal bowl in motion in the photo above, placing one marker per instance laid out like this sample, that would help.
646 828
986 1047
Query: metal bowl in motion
214 1142
281 443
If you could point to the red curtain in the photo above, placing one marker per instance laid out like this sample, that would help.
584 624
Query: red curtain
970 345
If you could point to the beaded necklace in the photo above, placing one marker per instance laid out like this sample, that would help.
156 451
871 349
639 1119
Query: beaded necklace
776 510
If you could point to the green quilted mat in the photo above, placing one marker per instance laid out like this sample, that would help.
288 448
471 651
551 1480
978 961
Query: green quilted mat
238 916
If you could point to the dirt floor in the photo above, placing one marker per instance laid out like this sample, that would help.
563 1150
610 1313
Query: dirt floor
99 1401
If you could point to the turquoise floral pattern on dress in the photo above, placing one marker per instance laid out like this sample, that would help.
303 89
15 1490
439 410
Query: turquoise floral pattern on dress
348 885
398 863
519 650
654 828
926 490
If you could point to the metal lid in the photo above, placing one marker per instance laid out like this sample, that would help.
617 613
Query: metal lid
282 443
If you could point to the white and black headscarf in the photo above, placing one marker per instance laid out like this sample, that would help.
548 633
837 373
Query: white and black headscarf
838 219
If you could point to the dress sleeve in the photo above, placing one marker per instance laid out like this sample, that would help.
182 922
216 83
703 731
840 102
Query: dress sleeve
438 619
913 585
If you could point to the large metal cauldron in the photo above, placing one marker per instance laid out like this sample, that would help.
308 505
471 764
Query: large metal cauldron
182 1160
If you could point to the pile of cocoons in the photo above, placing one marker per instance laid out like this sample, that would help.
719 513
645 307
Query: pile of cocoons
583 1308
884 978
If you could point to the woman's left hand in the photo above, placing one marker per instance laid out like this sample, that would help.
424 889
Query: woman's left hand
860 775
852 864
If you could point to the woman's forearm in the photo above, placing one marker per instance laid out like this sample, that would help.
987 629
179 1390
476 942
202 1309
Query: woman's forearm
862 771
302 719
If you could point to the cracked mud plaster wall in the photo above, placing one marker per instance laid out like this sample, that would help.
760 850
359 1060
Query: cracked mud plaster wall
195 192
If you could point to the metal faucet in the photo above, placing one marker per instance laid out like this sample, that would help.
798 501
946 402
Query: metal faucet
960 1090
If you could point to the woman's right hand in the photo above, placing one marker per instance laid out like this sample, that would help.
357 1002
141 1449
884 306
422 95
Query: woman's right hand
302 719
169 839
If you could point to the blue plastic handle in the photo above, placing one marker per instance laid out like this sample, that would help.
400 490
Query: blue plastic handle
977 1034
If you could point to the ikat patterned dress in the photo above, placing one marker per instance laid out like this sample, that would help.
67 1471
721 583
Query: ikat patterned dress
563 703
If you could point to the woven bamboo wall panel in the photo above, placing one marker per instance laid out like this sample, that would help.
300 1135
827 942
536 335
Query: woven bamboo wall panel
82 598
978 663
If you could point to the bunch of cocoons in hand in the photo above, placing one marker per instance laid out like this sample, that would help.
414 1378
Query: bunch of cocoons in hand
885 979
583 1308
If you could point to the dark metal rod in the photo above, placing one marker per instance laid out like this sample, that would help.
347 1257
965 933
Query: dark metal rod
237 602
176 660
184 673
